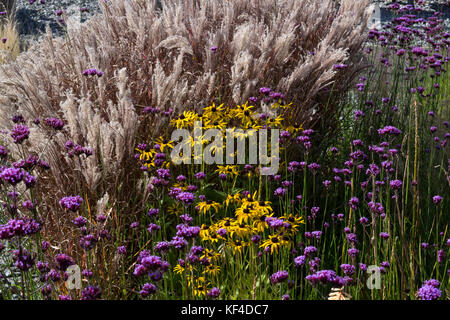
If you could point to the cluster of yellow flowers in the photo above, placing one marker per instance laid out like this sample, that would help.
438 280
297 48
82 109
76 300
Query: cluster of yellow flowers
242 120
251 220
242 220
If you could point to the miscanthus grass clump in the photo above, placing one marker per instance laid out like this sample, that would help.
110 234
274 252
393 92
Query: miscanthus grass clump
358 211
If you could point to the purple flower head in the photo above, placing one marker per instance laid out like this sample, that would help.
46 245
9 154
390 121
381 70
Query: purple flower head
428 292
12 175
384 235
299 261
351 237
348 269
71 203
441 256
186 198
122 250
222 232
339 66
200 175
264 90
256 238
314 167
45 245
437 199
354 202
147 289
19 133
325 277
42 267
279 276
91 293
214 293
389 130
18 228
79 221
316 234
88 241
187 231
279 192
432 282
163 173
310 251
63 261
148 263
363 220
395 184
153 212
87 273
153 227
55 123
352 252
178 242
23 260
162 246
191 188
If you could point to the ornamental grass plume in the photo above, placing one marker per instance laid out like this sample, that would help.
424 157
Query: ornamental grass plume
10 44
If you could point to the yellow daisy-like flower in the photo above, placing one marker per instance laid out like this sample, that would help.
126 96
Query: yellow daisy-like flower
146 157
251 197
200 286
275 122
204 231
255 125
241 230
212 270
213 112
244 113
294 128
294 221
179 269
186 119
228 170
243 214
206 206
210 254
247 211
164 143
226 223
212 236
274 242
260 222
175 208
216 124
286 106
265 207
237 245
233 199
243 134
